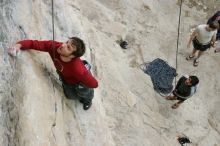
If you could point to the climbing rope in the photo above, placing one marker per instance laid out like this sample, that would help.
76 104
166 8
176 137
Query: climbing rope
177 43
53 32
53 47
161 73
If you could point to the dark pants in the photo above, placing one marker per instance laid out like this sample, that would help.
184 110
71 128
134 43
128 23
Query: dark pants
79 92
198 46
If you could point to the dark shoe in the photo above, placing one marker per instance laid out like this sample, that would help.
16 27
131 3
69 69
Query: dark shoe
183 140
196 62
189 57
87 105
81 101
123 44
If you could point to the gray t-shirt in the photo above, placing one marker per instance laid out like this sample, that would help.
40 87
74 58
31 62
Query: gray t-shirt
204 36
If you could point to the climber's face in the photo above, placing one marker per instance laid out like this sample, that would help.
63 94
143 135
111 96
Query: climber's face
66 49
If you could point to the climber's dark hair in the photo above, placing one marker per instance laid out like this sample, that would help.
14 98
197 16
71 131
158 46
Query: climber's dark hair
80 46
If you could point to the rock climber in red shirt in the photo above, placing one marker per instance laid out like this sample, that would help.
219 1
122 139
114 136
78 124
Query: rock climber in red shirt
77 80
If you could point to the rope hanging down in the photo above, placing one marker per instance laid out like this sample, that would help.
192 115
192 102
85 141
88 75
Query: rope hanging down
161 73
53 47
177 44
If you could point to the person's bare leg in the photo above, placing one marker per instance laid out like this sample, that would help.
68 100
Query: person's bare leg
193 52
200 54
196 61
171 98
192 55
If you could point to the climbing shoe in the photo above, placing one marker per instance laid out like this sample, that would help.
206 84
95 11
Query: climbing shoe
183 140
189 57
123 44
87 105
196 62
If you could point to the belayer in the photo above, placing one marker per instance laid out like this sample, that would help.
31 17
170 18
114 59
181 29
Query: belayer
77 80
185 88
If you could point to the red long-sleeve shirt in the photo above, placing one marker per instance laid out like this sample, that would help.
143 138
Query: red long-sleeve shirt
72 72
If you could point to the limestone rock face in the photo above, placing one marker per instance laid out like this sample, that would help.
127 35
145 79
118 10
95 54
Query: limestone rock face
126 110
